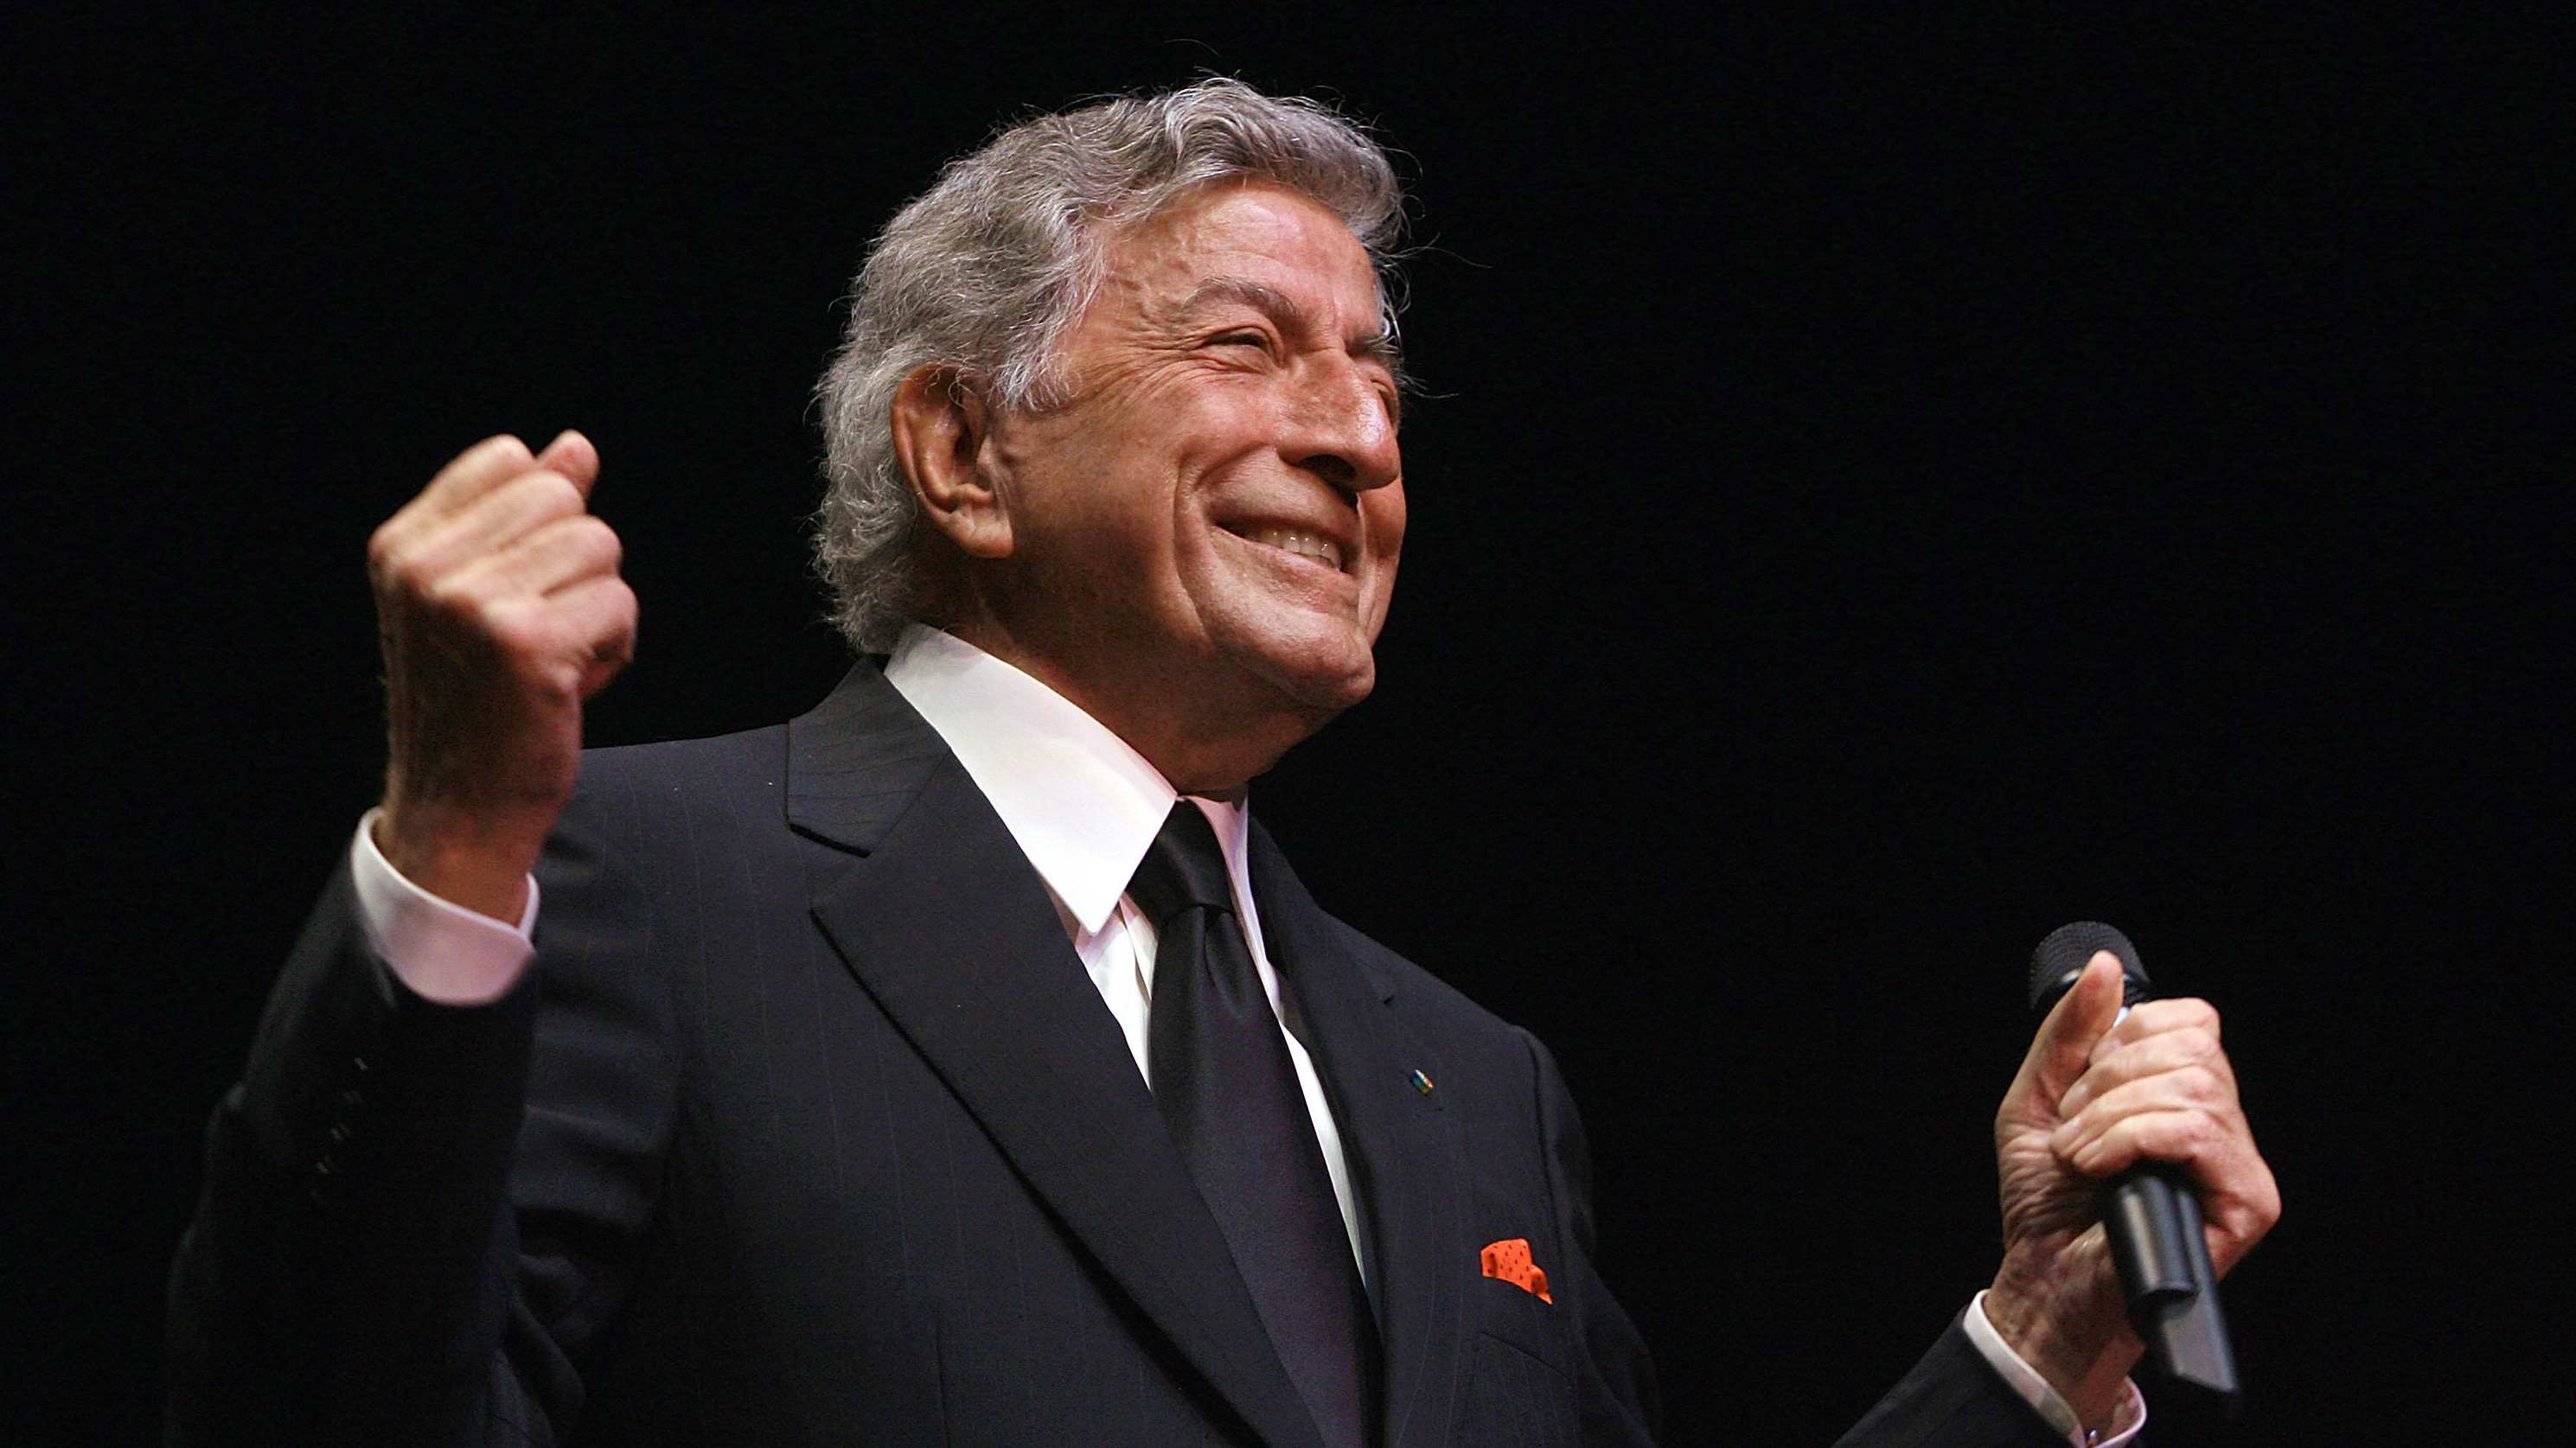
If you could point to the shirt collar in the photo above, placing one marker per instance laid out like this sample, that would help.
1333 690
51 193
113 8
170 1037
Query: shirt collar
1082 804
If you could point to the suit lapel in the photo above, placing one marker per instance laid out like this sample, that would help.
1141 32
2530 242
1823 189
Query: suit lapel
946 925
1408 1166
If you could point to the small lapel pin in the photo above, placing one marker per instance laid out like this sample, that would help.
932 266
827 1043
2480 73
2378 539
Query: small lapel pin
1421 1083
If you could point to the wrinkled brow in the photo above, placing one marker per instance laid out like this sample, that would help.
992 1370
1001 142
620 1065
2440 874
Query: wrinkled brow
1379 346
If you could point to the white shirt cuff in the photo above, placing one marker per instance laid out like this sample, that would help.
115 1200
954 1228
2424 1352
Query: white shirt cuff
2034 1389
441 950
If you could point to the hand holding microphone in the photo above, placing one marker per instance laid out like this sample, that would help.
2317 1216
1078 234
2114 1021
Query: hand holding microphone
2149 1212
2104 1091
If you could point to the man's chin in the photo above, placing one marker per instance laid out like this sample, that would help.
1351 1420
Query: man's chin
1329 699
1323 691
1319 678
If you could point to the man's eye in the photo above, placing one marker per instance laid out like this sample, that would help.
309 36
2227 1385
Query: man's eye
1240 339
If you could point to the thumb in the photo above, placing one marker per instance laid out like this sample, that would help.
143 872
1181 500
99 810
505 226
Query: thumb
572 455
2064 1045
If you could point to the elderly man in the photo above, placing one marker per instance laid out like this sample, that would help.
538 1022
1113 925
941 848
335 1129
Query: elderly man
958 1062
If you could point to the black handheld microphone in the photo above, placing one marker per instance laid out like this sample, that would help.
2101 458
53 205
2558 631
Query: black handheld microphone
2149 1210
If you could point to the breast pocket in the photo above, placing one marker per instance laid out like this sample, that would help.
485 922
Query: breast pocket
1520 1389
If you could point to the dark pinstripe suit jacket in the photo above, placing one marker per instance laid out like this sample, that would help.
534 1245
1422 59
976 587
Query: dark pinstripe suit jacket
807 1126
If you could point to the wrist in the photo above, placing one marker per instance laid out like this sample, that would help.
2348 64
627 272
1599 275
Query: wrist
2076 1339
479 858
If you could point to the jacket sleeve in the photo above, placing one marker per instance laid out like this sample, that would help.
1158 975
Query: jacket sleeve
364 1265
1616 1390
1951 1399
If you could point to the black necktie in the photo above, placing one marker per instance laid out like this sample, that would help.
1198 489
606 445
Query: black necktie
1229 1094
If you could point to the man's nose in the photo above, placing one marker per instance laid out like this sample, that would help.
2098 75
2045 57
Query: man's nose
1342 430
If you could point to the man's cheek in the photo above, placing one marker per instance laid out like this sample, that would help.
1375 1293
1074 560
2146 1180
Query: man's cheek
1378 599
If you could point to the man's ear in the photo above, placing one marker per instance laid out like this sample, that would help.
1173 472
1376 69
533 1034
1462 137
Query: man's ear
941 424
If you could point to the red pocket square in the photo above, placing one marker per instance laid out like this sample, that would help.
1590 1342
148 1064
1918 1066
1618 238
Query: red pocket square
1509 1261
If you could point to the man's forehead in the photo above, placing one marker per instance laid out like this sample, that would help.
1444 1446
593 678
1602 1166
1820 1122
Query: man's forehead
1251 244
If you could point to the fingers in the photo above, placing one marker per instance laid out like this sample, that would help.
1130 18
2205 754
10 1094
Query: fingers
2161 1088
600 611
476 564
422 548
550 598
569 642
2239 1198
2098 1092
542 560
2163 1057
572 456
493 497
472 473
484 469
2190 1040
2152 1017
2108 1136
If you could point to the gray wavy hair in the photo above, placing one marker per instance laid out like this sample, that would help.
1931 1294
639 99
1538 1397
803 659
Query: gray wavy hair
986 271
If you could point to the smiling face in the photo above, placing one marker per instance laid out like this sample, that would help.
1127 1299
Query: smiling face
1202 542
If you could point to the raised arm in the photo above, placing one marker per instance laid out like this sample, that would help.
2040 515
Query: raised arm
353 1269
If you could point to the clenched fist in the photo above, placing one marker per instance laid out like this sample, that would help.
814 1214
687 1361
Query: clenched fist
2098 1093
501 611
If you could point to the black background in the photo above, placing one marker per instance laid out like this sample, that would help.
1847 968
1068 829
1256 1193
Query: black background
1891 484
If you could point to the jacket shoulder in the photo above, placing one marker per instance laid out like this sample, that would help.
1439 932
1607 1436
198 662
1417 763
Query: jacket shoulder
652 814
752 758
1428 1002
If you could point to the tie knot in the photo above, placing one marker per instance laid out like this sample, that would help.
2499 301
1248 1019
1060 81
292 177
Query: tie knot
1183 867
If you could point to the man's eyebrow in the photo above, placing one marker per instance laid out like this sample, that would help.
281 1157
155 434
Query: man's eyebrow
1379 346
1259 296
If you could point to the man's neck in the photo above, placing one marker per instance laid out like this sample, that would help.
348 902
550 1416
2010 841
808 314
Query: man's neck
1204 741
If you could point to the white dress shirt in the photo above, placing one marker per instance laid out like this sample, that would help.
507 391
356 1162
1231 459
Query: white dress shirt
1083 806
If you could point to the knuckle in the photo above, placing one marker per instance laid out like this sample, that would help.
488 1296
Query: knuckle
521 630
463 601
417 570
2198 1131
450 592
599 540
2148 1135
394 554
527 502
500 450
552 491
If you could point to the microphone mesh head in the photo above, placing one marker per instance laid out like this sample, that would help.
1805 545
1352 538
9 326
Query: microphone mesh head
2062 956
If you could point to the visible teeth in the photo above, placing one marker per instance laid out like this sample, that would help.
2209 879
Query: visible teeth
1302 543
